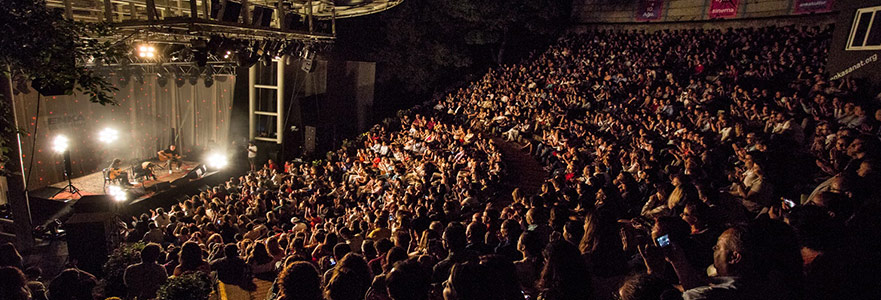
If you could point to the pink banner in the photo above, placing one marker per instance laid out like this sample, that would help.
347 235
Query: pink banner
650 10
811 6
723 8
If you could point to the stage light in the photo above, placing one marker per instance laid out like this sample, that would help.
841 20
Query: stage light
217 161
60 143
108 135
146 51
118 193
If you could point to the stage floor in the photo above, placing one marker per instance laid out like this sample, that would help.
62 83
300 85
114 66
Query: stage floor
93 184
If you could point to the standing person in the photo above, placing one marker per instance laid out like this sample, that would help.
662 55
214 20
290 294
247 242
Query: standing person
252 156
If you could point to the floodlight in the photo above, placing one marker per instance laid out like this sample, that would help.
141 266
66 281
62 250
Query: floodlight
60 143
217 161
108 135
118 193
146 51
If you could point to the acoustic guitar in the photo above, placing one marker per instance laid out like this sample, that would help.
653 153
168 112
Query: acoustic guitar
163 157
113 173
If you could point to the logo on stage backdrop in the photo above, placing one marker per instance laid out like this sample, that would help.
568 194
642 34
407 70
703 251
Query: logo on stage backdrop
650 10
723 8
809 6
61 122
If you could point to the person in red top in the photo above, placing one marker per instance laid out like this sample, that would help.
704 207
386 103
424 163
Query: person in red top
272 165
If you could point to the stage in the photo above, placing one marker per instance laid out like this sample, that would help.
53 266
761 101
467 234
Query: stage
93 184
52 202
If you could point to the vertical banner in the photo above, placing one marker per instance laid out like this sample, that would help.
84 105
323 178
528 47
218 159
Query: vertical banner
650 10
812 6
723 9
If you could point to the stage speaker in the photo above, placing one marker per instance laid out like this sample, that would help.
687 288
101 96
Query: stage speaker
93 204
196 172
225 10
180 181
88 240
261 16
293 21
160 186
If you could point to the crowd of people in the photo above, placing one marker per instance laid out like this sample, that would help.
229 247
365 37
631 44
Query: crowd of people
686 164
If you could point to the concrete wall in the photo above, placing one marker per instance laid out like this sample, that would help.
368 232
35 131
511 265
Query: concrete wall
799 20
624 11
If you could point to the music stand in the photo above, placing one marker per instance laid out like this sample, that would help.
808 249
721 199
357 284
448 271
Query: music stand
70 188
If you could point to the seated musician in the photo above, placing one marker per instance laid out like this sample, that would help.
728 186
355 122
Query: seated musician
170 156
145 170
117 174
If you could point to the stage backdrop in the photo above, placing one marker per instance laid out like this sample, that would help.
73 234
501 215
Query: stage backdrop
146 117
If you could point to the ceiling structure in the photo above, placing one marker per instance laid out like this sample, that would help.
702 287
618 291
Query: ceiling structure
245 27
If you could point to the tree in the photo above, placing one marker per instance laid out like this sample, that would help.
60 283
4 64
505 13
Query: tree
40 45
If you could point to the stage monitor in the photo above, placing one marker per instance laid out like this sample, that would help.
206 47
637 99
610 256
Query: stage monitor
93 204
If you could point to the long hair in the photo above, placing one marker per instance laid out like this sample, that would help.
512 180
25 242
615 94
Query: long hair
565 274
590 241
190 256
300 281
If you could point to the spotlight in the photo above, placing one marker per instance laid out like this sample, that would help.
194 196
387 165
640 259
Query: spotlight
146 51
209 81
217 161
108 135
179 79
117 193
161 79
60 144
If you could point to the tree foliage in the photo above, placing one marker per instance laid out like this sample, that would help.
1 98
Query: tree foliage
40 45
192 286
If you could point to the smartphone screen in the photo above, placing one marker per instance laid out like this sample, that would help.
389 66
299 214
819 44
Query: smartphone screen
663 241
789 203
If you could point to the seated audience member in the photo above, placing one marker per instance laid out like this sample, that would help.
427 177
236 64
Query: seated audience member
143 279
300 281
73 284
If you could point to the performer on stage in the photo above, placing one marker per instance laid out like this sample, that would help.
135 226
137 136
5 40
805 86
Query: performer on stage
170 156
117 174
146 171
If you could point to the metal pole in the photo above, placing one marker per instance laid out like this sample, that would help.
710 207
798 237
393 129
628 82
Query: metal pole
108 11
68 10
246 13
309 14
15 178
151 10
252 98
279 98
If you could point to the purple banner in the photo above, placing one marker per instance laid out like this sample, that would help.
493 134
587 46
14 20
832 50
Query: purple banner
650 10
723 8
811 6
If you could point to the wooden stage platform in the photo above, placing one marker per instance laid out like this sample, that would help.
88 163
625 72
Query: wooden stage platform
93 184
52 202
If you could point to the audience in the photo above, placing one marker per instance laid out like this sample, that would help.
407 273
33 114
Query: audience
692 164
